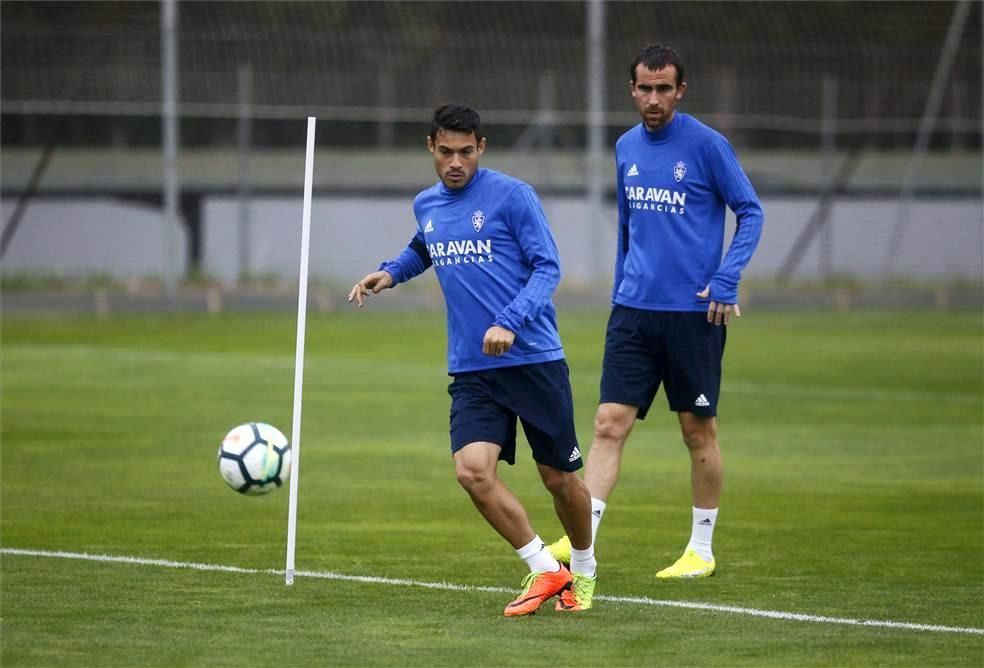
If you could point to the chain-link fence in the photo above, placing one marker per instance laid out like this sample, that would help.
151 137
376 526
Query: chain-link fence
859 112
757 69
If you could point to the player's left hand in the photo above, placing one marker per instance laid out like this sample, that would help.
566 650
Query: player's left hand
497 341
717 312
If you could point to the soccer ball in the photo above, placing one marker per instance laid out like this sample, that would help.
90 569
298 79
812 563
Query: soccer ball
254 458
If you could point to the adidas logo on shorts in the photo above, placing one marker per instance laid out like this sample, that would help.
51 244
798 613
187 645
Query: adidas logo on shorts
702 401
575 455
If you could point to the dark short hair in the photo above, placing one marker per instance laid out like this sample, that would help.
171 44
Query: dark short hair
656 57
456 118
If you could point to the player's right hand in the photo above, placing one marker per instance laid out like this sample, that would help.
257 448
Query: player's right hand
372 284
719 313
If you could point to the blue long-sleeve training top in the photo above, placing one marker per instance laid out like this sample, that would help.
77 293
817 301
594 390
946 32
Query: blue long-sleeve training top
673 186
497 264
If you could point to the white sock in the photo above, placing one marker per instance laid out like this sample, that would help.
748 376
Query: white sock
583 561
702 532
538 557
597 510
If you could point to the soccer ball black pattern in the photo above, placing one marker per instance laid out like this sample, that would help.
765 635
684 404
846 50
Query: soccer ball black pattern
254 458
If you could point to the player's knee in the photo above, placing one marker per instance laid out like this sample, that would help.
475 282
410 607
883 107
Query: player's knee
472 478
558 483
612 424
699 434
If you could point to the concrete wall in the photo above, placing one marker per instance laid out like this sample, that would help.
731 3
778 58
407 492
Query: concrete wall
86 237
351 235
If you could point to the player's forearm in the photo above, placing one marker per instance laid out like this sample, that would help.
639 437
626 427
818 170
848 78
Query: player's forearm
532 299
724 283
413 261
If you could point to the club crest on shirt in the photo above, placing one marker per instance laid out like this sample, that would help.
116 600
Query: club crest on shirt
679 171
478 219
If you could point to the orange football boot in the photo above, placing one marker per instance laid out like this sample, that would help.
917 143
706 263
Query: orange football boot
538 588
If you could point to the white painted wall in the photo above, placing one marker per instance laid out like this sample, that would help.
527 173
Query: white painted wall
351 235
83 237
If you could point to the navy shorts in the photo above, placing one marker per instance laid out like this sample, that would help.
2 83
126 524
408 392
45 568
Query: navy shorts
486 404
679 349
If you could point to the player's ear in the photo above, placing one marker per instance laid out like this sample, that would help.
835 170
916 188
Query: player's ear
681 90
481 145
430 144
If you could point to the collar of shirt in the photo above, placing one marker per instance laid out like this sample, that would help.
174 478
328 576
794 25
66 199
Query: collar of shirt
665 133
449 192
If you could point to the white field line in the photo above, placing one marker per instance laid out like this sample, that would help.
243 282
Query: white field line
450 586
127 356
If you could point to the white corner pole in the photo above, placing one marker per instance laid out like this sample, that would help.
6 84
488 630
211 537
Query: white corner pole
295 432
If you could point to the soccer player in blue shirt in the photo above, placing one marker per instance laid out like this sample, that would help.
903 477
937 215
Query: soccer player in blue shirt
488 240
674 294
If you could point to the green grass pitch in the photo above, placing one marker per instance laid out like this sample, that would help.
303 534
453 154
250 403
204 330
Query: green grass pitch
854 490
